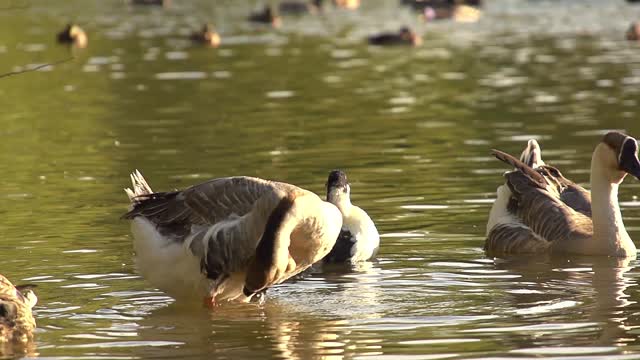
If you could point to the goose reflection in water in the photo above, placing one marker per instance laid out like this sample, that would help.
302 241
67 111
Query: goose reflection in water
598 286
277 329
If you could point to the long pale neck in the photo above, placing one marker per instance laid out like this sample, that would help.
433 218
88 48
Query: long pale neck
341 200
609 233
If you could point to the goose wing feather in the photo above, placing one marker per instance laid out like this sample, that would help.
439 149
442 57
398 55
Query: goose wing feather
570 193
205 204
514 238
543 211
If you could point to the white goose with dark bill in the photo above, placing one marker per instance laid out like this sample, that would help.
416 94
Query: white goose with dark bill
539 210
359 239
228 238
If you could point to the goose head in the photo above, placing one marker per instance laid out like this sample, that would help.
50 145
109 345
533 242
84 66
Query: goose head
338 190
617 154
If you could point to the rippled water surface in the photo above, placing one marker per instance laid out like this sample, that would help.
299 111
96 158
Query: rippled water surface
412 127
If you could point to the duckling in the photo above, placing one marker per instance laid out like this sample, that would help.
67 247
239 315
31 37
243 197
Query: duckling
404 37
633 33
359 239
347 4
16 320
73 34
207 36
300 7
266 16
163 3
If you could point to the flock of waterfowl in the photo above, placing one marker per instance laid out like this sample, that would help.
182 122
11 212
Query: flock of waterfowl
429 10
229 239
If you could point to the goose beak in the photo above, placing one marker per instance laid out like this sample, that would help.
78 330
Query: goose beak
629 158
632 168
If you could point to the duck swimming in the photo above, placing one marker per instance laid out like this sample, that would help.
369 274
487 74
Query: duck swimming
300 7
73 34
229 238
206 36
359 239
266 16
539 210
403 37
164 3
16 320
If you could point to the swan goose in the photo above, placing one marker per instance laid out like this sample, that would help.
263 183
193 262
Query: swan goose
16 320
359 239
229 238
539 210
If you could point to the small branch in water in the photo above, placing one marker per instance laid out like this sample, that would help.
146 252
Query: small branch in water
35 68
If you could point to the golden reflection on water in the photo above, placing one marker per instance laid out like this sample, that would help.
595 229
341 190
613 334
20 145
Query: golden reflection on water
412 128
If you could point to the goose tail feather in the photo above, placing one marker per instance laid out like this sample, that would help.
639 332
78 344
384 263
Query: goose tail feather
527 170
140 187
532 154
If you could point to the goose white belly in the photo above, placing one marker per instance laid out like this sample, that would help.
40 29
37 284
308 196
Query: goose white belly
499 214
172 267
167 264
358 240
363 233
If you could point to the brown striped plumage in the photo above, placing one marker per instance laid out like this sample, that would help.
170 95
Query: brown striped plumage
546 208
539 210
16 320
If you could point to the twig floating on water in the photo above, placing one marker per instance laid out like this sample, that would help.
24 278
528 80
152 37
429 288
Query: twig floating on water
35 68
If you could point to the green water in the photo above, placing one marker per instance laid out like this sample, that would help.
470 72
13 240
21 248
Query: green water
412 128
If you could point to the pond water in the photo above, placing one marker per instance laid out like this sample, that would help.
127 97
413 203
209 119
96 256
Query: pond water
412 128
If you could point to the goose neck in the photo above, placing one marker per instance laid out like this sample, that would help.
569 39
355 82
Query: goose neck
609 233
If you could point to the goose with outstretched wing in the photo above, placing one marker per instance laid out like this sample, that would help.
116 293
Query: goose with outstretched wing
228 238
539 210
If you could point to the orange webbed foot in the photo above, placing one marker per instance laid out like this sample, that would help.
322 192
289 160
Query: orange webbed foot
209 302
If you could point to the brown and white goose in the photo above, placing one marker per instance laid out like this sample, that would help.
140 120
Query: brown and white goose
228 238
16 320
539 210
359 239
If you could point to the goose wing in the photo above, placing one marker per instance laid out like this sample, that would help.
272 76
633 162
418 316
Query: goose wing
207 203
536 202
570 193
543 211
